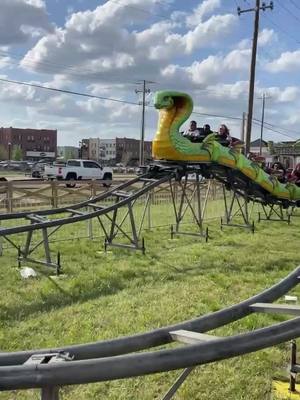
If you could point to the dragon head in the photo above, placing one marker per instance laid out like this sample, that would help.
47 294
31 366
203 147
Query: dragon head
163 100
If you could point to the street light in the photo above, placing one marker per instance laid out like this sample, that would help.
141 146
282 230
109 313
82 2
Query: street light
9 151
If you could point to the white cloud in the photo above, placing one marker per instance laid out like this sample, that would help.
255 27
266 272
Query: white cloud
210 70
21 20
266 36
204 8
288 94
99 45
288 61
104 50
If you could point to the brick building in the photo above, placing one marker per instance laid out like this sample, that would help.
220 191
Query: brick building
118 150
128 150
34 143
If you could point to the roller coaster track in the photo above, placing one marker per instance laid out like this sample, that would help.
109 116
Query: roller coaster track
39 219
117 358
125 195
231 178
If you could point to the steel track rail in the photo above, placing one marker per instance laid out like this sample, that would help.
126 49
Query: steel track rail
126 366
162 336
78 218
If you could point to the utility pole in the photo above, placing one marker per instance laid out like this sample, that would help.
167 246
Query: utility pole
262 122
264 97
144 91
244 117
257 9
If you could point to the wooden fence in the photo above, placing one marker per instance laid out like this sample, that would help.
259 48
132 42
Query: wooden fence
32 194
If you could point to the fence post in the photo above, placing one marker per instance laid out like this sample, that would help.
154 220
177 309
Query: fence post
93 189
9 197
54 197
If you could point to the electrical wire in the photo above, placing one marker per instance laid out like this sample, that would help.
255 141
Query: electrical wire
267 126
288 11
68 91
281 29
295 4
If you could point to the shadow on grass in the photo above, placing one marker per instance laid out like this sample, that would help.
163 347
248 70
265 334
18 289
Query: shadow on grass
153 268
61 297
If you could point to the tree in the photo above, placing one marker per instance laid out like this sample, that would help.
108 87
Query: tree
3 153
17 154
71 153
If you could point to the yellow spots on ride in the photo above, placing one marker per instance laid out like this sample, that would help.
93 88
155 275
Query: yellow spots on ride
280 391
227 162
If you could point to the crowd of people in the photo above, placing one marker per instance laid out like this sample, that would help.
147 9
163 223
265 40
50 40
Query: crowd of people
197 135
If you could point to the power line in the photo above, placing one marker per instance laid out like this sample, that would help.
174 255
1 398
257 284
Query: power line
258 122
281 29
68 91
98 97
295 4
217 115
279 127
268 126
287 10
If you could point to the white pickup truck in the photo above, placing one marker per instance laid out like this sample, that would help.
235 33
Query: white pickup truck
78 170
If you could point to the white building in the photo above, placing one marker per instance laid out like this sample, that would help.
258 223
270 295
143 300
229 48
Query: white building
107 149
101 149
265 152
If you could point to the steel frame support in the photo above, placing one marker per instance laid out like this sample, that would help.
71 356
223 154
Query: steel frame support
274 212
25 252
176 385
49 392
136 242
293 365
191 202
238 206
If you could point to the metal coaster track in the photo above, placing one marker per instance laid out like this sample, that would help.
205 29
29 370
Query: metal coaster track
39 217
167 172
105 360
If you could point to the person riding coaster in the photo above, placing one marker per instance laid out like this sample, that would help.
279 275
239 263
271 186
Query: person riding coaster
168 144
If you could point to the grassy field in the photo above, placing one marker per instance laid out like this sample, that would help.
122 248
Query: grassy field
121 293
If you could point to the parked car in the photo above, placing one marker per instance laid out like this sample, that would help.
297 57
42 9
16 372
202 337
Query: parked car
78 170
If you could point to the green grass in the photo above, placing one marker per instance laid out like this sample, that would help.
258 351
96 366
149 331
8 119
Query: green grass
121 293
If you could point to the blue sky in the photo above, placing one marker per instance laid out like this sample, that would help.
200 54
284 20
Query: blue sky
104 47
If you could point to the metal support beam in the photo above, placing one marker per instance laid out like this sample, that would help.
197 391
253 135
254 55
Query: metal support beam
49 392
293 369
276 308
187 337
24 254
274 212
189 202
190 337
116 229
236 208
